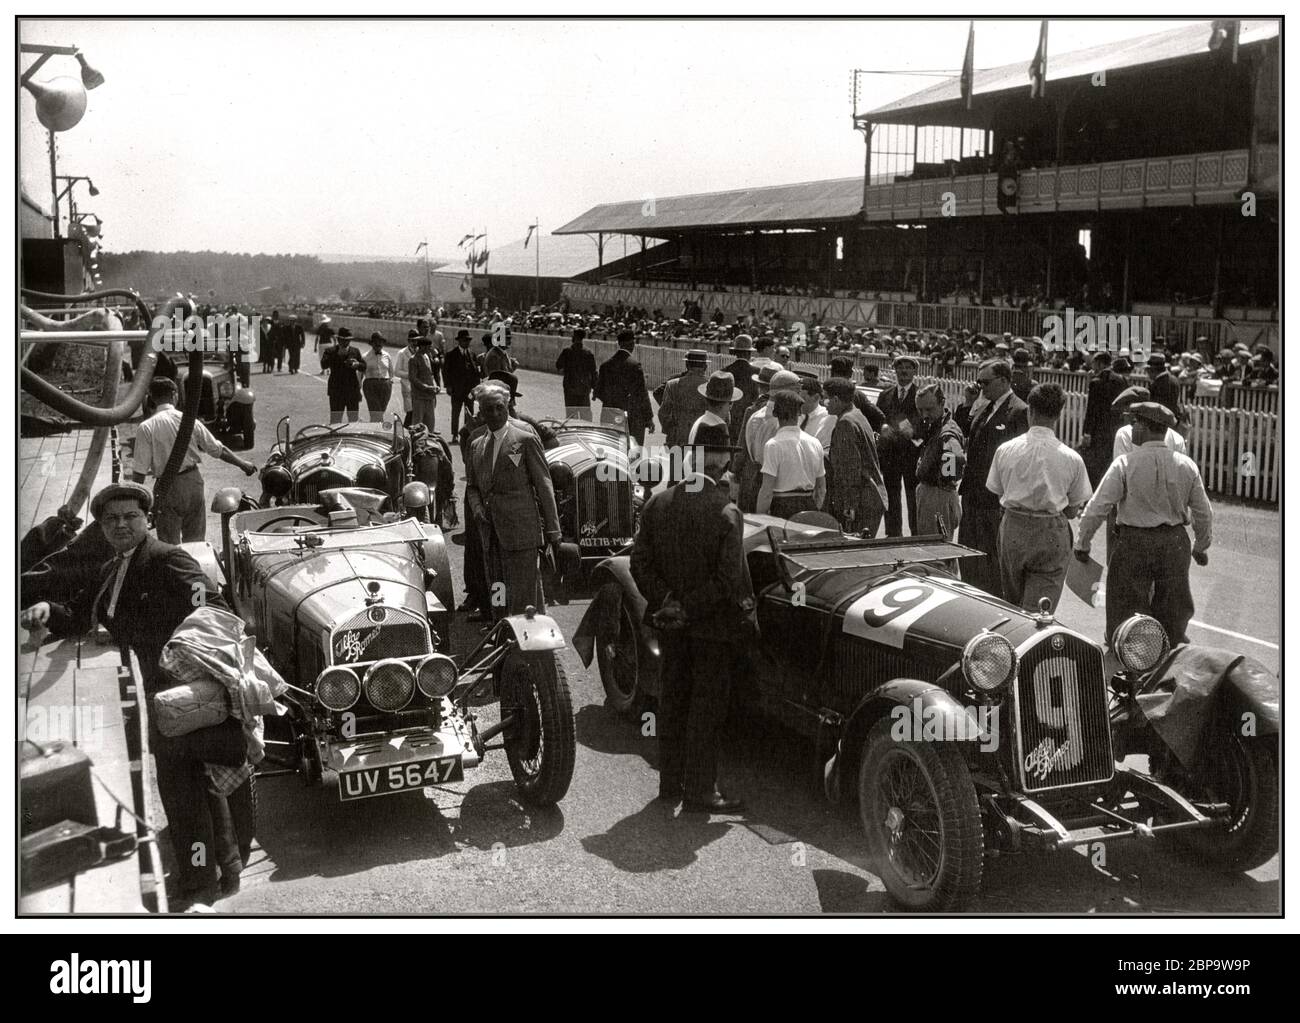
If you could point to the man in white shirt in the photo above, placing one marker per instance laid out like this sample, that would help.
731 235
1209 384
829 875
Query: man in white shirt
814 420
1041 482
793 466
402 369
181 512
1124 435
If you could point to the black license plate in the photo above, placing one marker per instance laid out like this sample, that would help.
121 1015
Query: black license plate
384 781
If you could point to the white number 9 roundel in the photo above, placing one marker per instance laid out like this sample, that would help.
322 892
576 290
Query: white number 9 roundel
884 614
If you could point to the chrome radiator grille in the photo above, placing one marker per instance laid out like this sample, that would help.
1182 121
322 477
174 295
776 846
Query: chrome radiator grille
362 639
1062 724
604 509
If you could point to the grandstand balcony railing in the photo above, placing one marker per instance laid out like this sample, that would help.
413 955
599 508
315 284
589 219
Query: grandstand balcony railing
1187 180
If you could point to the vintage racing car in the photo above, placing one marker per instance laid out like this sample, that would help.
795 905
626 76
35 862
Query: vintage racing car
352 605
384 458
596 492
225 406
961 723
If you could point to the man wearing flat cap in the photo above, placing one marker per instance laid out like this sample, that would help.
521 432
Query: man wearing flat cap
1122 409
141 596
702 608
899 445
402 371
684 400
1155 492
424 388
620 383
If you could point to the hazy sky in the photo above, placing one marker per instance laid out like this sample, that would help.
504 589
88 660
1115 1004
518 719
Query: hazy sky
367 137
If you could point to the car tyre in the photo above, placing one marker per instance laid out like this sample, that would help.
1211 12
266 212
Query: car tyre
929 852
618 661
542 744
1242 772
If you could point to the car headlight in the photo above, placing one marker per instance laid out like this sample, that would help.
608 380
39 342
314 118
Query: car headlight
436 676
338 688
1139 643
989 661
226 389
390 685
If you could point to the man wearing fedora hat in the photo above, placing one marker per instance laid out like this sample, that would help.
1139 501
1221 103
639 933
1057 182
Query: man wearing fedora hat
343 363
744 469
620 383
1155 492
684 400
702 607
743 373
1163 387
461 374
720 393
142 595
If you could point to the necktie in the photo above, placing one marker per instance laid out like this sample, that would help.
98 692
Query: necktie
116 572
492 451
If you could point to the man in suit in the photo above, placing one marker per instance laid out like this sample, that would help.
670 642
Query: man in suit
743 373
842 367
1000 416
1100 419
684 400
143 595
510 498
620 383
424 387
578 366
497 357
898 452
343 363
703 609
461 374
855 487
1163 387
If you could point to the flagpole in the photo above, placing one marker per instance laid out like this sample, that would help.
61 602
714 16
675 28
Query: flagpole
538 255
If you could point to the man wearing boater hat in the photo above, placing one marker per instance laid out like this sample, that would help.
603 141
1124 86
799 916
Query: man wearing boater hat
1155 492
142 595
702 607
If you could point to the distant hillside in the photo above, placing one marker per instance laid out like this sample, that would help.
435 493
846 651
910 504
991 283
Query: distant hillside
240 276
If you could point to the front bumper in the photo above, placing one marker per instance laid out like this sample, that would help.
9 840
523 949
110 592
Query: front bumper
453 739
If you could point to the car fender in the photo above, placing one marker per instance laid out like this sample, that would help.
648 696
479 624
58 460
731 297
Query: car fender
911 693
1195 683
202 552
609 579
537 633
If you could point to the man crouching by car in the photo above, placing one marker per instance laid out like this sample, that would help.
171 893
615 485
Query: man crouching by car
141 596
703 608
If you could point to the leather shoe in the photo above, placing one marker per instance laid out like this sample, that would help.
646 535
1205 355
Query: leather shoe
717 804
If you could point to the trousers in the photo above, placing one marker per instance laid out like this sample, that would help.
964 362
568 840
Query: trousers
1033 552
377 392
513 581
692 708
937 511
899 472
422 410
789 507
980 522
181 515
577 399
1149 575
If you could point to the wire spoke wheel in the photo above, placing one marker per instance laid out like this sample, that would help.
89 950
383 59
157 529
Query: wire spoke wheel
616 657
918 808
541 744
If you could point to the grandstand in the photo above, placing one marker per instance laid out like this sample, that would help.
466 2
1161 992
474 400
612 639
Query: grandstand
1144 181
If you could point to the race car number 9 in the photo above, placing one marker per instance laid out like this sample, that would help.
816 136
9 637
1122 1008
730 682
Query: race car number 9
884 614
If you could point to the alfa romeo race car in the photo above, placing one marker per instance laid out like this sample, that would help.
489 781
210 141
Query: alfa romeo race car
593 470
961 723
350 598
317 458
